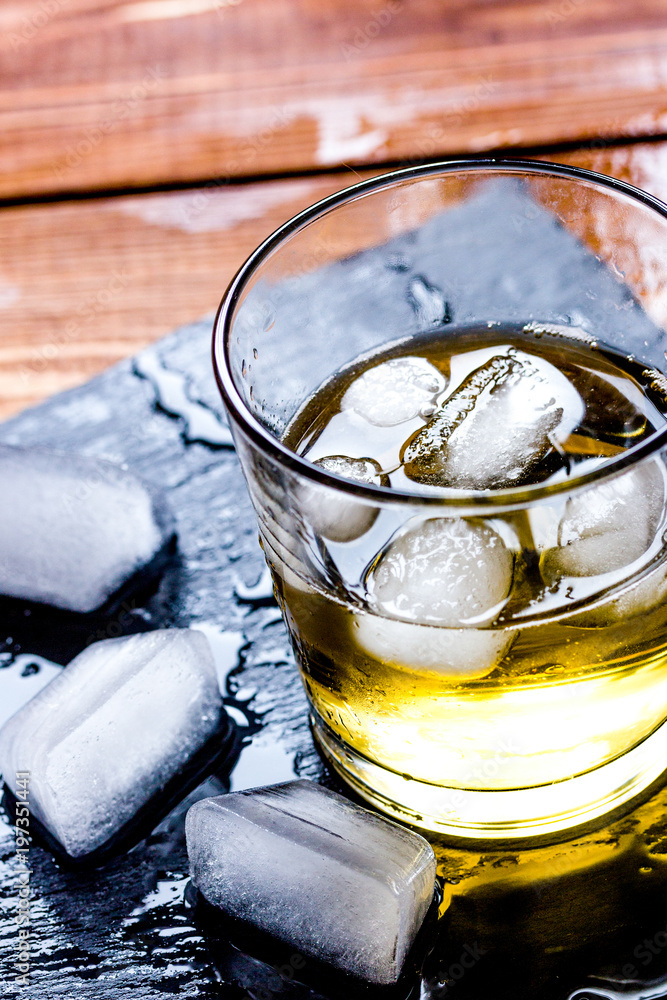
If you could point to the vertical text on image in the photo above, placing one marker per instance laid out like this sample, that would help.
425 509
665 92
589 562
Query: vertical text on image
23 873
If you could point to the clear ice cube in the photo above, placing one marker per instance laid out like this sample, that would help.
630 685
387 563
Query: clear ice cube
73 529
451 652
331 879
609 526
442 571
646 594
110 731
394 391
333 515
499 427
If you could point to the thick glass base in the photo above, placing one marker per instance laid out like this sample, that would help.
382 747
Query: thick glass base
503 814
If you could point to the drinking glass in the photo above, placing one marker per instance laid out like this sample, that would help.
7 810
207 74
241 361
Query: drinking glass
551 711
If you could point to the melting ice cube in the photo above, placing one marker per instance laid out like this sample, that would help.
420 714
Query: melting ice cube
333 515
110 731
442 571
646 594
498 427
608 526
327 877
450 652
74 529
394 391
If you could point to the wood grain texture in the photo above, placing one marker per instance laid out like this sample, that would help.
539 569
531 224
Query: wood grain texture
102 93
84 284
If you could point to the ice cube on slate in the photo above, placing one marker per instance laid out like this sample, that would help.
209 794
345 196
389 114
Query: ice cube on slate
110 731
608 526
497 428
394 391
442 571
331 879
333 515
74 529
450 652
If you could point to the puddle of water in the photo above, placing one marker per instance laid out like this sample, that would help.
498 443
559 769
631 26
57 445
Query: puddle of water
226 648
200 423
260 591
262 764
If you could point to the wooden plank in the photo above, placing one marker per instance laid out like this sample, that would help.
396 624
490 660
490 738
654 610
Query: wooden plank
103 93
84 284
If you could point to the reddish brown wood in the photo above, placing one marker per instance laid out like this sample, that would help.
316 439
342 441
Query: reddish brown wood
102 93
84 284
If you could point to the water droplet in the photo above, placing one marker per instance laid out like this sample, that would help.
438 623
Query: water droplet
30 669
397 262
646 870
255 353
428 302
244 368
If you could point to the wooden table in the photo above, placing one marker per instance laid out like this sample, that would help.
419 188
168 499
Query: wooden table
148 145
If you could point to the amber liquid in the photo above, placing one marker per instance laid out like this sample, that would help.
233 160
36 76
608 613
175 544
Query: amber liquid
569 672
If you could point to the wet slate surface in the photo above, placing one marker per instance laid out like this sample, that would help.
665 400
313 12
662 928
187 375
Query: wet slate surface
108 933
534 923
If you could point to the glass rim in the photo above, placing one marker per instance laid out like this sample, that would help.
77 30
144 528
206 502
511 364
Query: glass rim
492 499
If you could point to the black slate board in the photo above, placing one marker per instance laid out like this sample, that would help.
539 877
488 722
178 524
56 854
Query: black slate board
534 923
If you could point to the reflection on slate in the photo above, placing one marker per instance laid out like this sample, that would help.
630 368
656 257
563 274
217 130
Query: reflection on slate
587 916
258 962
